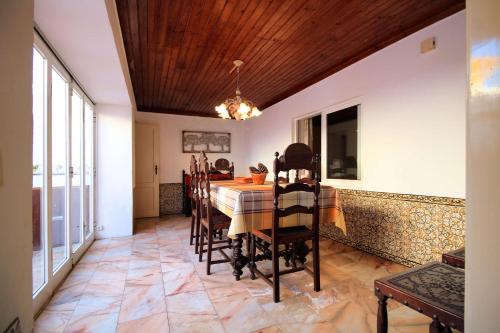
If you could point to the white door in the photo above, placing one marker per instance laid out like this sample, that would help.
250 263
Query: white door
147 181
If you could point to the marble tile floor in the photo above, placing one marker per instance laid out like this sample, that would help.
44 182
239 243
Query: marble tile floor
153 282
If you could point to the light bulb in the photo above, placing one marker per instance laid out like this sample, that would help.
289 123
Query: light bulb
243 109
255 112
224 114
221 108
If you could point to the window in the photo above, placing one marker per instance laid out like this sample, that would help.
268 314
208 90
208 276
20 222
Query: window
59 112
342 143
63 175
38 193
88 194
76 179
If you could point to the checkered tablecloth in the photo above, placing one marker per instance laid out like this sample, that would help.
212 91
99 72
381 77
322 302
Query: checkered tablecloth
250 206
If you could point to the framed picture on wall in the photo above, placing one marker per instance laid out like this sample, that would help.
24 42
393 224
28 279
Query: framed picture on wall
209 142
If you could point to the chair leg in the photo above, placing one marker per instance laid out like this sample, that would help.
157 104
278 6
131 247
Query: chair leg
202 241
276 272
316 269
197 234
191 234
252 246
436 327
210 236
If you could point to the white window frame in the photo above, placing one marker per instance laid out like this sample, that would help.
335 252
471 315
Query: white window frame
324 111
54 277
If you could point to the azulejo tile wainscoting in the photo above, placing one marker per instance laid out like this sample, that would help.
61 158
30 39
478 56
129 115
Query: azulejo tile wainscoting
170 198
407 229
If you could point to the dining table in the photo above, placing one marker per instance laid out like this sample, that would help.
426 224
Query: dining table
250 207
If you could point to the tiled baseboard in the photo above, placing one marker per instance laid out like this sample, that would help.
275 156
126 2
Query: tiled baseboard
170 198
408 229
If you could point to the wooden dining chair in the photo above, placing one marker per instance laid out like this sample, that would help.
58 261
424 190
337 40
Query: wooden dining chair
211 221
194 235
223 165
297 156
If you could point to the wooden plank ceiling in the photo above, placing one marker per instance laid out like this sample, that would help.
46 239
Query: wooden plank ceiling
180 51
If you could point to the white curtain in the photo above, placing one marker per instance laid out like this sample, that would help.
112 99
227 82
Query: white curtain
305 135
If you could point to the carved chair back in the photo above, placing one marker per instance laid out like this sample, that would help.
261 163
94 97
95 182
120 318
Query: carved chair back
297 156
223 164
204 187
193 170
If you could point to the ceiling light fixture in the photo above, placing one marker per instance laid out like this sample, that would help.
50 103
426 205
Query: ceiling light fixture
238 108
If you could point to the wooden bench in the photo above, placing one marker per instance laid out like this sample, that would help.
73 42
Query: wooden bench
435 290
455 258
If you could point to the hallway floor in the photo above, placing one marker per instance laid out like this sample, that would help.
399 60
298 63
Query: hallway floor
153 282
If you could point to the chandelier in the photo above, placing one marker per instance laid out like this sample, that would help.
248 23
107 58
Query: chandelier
237 107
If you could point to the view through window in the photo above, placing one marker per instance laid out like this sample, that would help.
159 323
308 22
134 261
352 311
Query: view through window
342 143
63 172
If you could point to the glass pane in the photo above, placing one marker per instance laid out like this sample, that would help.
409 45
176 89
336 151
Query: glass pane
342 143
59 168
38 222
89 165
76 153
309 133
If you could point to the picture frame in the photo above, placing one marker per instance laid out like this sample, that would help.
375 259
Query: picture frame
209 142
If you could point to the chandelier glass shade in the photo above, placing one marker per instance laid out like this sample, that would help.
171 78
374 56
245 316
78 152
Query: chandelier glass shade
237 107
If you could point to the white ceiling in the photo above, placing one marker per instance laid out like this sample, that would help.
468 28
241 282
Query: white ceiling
82 35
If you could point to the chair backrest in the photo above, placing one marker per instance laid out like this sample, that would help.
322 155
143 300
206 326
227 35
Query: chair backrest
193 171
223 164
204 186
297 156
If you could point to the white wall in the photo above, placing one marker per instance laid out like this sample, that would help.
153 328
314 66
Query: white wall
16 42
114 170
173 160
482 290
412 121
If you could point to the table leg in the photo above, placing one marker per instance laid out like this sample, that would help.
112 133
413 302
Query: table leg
239 260
382 322
435 326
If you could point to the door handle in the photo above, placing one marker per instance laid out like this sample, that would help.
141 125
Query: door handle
156 169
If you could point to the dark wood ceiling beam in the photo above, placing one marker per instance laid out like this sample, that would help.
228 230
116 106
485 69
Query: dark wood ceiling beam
363 54
215 59
353 35
161 18
312 67
257 46
256 18
296 64
177 44
195 54
180 52
225 15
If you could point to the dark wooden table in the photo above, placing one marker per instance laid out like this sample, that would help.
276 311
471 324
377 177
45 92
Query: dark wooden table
435 290
455 258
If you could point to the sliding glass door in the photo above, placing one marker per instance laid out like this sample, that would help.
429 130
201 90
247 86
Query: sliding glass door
39 260
59 165
63 173
76 232
88 190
